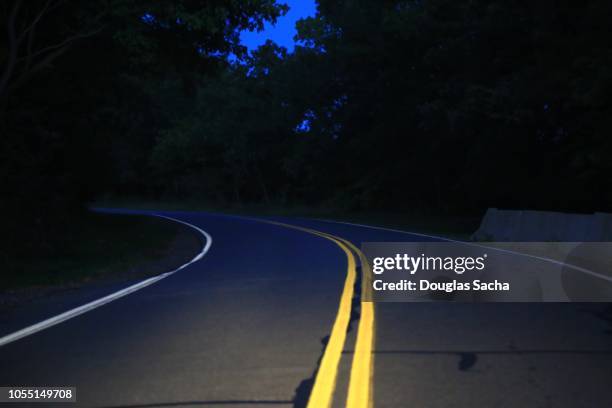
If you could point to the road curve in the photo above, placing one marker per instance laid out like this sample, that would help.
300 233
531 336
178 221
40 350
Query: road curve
247 325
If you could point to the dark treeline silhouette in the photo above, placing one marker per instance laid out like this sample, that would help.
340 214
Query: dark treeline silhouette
441 106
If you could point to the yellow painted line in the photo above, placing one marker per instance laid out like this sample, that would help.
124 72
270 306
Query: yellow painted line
322 392
361 387
360 392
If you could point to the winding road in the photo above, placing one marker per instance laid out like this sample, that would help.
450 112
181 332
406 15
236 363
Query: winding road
269 315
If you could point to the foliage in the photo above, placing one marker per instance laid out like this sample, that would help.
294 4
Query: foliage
399 105
80 100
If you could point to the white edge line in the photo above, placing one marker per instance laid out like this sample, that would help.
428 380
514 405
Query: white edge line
52 321
541 258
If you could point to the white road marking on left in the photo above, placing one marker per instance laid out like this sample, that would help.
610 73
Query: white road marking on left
52 321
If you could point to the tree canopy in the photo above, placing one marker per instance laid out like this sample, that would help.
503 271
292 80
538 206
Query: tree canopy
429 105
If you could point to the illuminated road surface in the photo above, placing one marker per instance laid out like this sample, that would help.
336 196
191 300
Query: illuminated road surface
246 326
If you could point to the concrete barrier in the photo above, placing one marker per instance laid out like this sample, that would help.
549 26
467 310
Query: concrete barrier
543 226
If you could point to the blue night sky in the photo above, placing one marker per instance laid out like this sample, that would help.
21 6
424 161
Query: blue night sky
284 30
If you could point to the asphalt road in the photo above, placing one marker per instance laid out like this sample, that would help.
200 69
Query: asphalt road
247 325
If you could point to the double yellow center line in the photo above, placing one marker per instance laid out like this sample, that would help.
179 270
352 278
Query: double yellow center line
360 390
